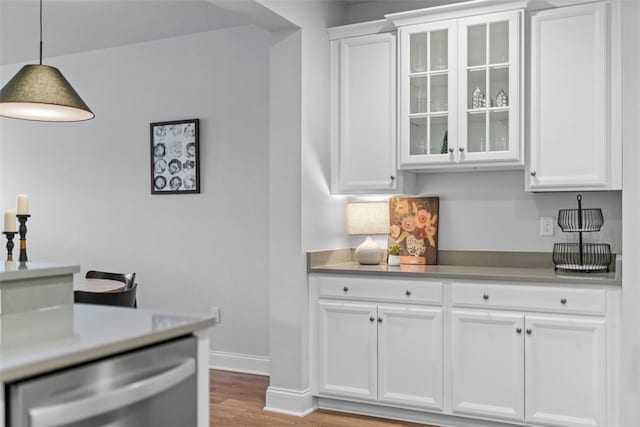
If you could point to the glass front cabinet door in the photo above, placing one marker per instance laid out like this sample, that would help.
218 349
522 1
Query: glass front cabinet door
428 99
460 93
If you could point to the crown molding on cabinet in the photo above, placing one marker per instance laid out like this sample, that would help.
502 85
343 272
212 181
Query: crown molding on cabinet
451 11
360 29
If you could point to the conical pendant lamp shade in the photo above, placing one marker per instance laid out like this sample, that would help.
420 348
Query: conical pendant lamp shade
40 92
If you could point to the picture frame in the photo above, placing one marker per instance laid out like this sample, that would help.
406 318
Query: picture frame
175 157
414 226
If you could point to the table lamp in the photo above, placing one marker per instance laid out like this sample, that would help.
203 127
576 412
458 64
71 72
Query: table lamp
368 219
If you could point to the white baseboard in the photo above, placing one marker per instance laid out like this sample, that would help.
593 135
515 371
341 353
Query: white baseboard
235 362
290 402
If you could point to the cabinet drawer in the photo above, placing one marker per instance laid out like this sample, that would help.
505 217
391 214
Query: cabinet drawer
407 291
562 300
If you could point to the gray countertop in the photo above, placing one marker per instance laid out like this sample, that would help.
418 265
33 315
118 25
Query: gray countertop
39 341
546 275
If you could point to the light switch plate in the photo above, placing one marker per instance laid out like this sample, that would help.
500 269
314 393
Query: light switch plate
546 226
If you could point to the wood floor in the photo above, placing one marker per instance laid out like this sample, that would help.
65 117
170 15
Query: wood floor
237 400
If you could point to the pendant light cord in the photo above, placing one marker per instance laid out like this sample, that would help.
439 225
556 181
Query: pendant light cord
40 32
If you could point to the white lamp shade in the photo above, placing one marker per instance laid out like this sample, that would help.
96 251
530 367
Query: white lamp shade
367 218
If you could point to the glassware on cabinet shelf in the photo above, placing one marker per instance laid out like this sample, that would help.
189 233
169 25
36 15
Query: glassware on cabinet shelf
439 92
499 131
418 48
439 51
477 45
499 42
476 132
418 92
418 136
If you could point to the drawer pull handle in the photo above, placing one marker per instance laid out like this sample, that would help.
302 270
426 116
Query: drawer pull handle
519 331
408 293
372 319
346 289
485 297
529 331
379 319
563 301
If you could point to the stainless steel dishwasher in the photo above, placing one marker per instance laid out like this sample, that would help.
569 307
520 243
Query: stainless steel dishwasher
155 386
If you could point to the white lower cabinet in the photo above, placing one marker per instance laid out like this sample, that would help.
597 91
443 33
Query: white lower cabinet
388 353
544 370
565 366
347 345
467 353
487 369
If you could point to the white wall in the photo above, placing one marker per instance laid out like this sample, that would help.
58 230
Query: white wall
491 211
89 182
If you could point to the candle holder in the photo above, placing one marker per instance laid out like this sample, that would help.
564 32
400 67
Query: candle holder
22 219
10 235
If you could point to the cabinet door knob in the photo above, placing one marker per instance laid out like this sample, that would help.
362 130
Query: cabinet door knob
346 289
563 301
519 330
372 319
461 149
408 293
379 319
393 178
533 173
451 150
485 297
529 331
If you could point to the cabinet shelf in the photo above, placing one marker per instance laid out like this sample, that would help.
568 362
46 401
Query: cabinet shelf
443 71
484 110
485 66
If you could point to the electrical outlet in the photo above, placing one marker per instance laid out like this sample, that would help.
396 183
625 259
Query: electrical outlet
215 313
546 226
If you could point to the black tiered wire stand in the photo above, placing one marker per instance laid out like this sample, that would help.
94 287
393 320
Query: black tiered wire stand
583 257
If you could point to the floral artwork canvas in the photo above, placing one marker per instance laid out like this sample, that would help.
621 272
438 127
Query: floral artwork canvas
414 226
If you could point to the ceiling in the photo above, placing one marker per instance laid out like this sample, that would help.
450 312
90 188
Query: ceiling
72 26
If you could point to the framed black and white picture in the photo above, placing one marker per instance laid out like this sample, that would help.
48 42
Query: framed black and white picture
175 157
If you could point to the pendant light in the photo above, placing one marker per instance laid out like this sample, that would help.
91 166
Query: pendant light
40 92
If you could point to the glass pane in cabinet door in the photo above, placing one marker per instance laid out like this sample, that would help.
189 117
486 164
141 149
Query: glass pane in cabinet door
438 131
499 39
418 45
477 89
499 87
418 136
476 132
418 94
499 131
477 45
439 51
439 93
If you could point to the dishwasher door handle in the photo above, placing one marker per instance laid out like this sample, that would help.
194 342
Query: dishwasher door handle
81 409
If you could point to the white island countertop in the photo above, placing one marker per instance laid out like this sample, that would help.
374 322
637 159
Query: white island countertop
14 270
39 341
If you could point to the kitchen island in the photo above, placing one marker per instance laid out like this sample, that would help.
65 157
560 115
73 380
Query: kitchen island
37 342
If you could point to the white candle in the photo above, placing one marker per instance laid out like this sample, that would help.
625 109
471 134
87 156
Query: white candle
23 204
10 221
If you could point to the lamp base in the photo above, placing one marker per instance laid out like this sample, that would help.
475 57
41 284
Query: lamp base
369 253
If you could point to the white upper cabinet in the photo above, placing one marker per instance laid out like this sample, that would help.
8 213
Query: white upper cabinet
575 141
489 89
363 115
428 97
460 93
